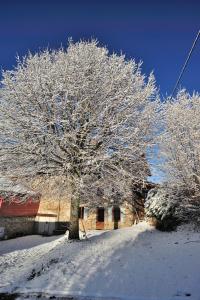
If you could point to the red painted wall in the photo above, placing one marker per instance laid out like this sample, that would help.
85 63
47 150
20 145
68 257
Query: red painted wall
14 209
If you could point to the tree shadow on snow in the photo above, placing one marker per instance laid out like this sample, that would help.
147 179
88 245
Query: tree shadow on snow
143 264
148 265
25 242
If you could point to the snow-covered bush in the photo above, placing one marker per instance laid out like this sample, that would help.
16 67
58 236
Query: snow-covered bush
161 206
171 207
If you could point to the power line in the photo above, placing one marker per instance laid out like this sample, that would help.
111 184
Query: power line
186 63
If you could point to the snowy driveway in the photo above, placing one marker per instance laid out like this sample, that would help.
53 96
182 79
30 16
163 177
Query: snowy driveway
133 263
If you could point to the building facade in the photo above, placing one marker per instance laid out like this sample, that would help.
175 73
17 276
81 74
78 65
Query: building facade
108 217
47 215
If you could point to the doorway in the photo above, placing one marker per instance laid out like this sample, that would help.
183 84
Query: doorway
100 218
116 216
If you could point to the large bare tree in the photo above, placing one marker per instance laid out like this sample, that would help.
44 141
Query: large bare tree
79 113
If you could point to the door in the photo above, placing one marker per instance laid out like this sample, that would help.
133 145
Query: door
116 216
46 225
100 218
43 225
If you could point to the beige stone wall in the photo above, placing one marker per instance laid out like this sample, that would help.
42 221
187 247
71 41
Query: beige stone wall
128 218
90 221
59 208
17 226
53 213
54 200
153 221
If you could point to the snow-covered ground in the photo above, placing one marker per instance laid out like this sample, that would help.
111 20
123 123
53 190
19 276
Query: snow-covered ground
133 263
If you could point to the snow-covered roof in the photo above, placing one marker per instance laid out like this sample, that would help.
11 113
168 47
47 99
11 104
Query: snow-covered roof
8 186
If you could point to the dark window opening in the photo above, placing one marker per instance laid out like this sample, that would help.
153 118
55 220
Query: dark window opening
81 212
100 214
116 214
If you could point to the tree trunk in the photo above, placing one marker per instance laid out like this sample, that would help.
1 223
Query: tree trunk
74 218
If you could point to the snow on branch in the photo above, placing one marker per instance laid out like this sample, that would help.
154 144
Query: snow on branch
179 142
79 113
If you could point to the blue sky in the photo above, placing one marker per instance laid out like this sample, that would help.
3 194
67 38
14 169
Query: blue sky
158 32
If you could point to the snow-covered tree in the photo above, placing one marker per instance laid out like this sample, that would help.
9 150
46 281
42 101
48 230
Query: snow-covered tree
171 206
80 114
180 141
178 199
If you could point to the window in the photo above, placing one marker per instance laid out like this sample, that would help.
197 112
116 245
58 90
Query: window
81 212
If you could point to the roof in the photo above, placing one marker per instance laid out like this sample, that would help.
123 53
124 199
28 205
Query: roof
9 187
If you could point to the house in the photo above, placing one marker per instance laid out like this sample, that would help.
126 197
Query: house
54 214
18 209
23 211
114 214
